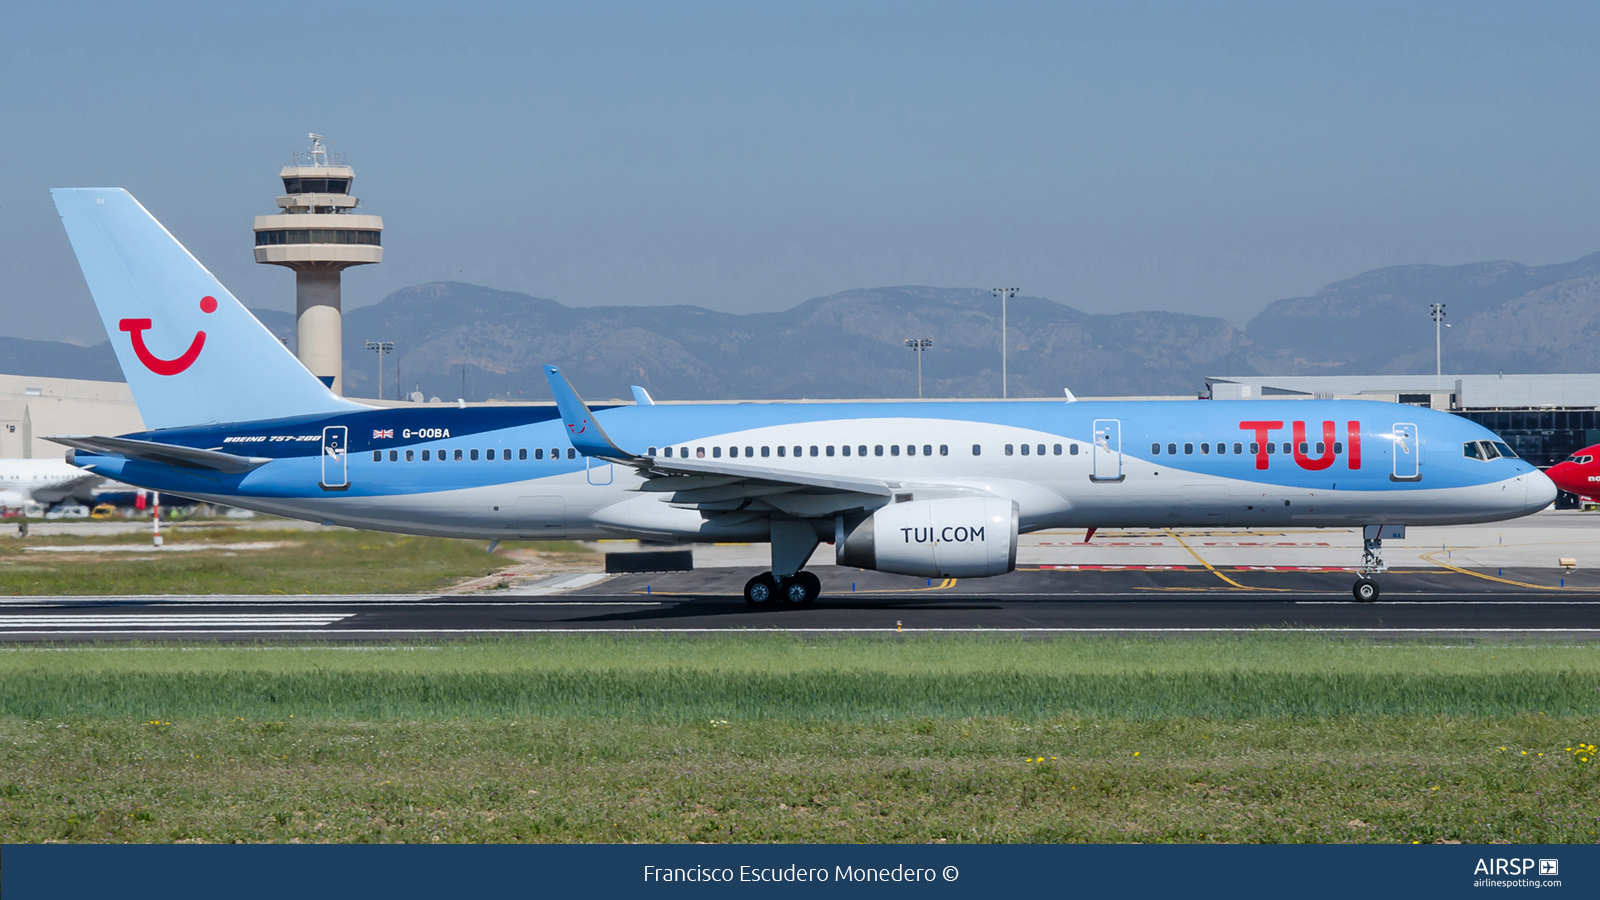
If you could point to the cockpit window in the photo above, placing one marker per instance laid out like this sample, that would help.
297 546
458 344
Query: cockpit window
1579 458
1471 450
1489 450
1505 451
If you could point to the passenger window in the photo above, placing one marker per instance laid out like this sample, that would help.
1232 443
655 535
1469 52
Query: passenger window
377 456
977 449
1321 448
1058 449
474 454
523 453
1172 449
1255 448
1338 446
457 455
1205 449
766 451
489 453
716 452
538 453
813 449
797 451
862 450
394 456
877 450
1010 449
782 450
829 450
911 449
749 452
1155 449
700 453
1024 449
1303 448
1238 448
411 456
572 453
894 449
425 456
1272 447
1072 449
845 449
944 449
1041 450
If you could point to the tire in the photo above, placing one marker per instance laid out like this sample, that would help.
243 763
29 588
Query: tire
761 592
793 591
813 585
1365 591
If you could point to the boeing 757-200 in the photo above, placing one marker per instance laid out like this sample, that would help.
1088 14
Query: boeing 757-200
936 489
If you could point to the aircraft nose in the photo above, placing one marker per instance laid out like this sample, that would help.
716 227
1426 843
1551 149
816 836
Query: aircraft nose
1541 490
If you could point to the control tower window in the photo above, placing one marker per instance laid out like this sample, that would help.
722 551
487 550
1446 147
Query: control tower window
316 185
319 236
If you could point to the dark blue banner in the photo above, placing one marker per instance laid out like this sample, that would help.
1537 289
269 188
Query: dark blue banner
30 872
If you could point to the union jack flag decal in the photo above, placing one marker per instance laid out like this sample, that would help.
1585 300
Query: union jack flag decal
378 433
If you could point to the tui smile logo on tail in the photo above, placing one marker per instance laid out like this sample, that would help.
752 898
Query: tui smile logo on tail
136 329
580 428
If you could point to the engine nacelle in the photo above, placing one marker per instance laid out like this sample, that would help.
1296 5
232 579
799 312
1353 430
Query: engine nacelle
969 537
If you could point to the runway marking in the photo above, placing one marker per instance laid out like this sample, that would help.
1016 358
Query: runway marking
167 620
1432 557
800 629
1212 569
946 584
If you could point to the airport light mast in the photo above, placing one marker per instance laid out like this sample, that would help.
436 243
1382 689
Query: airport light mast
919 345
380 348
1436 311
318 235
1004 294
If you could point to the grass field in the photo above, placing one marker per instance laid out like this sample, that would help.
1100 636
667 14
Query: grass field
759 738
332 561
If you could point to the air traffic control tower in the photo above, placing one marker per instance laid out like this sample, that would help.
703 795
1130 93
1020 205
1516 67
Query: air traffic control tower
318 235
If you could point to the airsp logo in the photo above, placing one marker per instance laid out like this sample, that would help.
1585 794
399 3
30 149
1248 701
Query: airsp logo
1503 866
1549 867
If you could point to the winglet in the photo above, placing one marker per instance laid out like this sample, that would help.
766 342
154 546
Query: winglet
641 397
1070 397
583 429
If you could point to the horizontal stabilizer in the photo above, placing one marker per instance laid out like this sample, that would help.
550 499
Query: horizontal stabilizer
166 454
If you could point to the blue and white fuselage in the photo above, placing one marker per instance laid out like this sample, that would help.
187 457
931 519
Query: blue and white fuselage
940 488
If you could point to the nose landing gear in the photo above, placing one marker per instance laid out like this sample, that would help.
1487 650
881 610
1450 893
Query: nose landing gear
1366 589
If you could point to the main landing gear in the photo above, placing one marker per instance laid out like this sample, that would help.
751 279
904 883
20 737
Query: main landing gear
766 592
792 544
1366 589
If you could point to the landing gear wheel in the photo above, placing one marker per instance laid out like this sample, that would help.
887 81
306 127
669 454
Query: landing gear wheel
813 585
794 590
761 592
1366 590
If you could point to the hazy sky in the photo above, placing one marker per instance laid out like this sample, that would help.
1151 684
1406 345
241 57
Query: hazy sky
748 156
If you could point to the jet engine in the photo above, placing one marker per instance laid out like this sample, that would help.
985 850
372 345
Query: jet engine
968 537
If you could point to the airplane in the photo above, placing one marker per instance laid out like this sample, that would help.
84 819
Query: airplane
1579 473
935 489
44 481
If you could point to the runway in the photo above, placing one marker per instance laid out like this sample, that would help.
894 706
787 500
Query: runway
1043 601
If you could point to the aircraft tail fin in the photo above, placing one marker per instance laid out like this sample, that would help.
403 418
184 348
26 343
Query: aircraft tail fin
192 353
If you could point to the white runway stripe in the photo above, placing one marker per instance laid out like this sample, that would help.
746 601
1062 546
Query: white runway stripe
171 620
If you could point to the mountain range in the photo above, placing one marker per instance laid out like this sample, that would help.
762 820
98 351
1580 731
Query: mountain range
1504 316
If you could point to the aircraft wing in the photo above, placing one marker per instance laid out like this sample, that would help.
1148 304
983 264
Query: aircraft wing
712 486
61 490
166 454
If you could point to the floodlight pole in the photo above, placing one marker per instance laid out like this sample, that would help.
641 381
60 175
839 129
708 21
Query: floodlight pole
380 348
1436 311
1004 294
919 346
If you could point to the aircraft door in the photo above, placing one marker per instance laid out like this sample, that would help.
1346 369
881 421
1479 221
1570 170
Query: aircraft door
1107 450
335 470
1407 453
599 470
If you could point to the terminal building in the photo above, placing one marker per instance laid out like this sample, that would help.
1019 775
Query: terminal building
1545 418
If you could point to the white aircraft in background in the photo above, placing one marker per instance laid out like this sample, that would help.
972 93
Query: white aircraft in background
46 482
